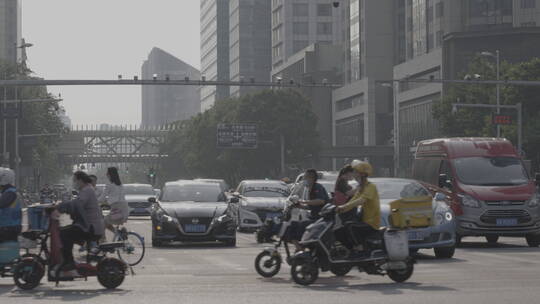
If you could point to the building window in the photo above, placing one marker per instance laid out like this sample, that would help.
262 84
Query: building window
350 103
300 28
299 45
528 24
528 4
324 10
430 74
439 38
324 28
350 131
484 13
300 9
439 10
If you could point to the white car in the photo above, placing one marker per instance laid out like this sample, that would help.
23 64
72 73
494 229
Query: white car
137 196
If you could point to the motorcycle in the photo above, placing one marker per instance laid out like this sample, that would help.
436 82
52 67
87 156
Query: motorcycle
388 253
29 270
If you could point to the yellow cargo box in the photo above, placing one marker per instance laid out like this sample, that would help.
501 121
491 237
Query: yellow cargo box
411 212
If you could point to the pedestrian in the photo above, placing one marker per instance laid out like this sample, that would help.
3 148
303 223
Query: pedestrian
10 208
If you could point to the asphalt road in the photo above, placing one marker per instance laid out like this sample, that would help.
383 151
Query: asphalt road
208 273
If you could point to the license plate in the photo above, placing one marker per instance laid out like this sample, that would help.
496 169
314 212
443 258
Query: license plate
195 228
415 235
272 215
507 222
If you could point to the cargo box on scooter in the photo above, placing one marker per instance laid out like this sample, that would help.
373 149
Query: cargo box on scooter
9 251
413 212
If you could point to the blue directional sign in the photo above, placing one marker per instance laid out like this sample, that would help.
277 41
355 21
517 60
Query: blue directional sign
237 136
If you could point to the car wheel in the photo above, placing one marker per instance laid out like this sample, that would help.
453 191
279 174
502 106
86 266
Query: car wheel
156 243
533 240
444 252
231 243
492 239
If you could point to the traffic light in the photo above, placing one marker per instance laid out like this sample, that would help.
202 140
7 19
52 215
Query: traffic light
152 176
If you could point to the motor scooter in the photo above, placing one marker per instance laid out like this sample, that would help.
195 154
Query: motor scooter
29 270
387 252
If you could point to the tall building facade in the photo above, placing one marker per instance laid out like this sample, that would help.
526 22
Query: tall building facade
299 23
10 30
214 50
438 38
166 104
362 109
250 41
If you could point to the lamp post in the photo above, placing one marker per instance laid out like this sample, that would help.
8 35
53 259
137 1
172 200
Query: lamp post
498 65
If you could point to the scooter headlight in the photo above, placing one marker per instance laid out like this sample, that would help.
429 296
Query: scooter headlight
443 217
533 201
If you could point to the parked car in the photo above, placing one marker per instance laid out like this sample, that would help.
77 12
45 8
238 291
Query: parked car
255 201
492 192
137 196
441 235
192 211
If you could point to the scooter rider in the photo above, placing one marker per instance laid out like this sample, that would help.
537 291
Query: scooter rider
368 198
10 208
86 215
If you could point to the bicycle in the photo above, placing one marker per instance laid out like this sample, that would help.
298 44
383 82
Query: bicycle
133 249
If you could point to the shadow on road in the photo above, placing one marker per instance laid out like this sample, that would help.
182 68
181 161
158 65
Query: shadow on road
431 259
44 291
193 246
342 285
500 247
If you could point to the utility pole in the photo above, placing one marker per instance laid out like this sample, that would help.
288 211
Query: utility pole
282 159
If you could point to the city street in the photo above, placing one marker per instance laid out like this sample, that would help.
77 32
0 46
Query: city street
203 273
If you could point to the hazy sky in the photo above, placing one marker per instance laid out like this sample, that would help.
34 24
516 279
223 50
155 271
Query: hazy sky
99 39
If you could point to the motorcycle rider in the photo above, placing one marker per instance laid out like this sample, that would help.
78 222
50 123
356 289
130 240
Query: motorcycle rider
367 197
343 192
46 194
318 197
10 208
86 215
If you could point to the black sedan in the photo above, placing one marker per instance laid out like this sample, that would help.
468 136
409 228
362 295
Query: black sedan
192 211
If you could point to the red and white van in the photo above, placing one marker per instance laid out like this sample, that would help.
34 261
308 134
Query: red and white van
493 194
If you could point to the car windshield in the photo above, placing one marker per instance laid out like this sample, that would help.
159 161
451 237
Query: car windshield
393 190
138 190
265 191
197 193
490 171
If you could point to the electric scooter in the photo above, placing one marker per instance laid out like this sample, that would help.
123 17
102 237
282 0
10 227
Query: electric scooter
28 272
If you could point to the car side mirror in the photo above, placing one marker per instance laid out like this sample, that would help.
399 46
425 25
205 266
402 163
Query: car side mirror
235 199
444 182
152 200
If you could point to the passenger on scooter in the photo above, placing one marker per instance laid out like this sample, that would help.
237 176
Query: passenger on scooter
343 192
318 197
368 198
86 215
10 208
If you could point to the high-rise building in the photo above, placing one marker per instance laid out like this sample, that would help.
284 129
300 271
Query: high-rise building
166 104
438 38
10 30
250 40
299 23
362 120
214 50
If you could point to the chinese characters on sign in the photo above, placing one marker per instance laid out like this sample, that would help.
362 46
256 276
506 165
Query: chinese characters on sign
500 119
240 135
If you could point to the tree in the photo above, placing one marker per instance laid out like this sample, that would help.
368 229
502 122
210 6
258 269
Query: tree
37 118
478 122
193 152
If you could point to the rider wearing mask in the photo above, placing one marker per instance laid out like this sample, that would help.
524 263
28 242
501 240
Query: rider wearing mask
10 208
367 197
318 197
86 215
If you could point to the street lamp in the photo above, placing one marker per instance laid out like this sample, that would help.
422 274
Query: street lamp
498 61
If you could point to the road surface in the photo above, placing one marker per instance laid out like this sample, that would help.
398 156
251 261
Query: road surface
207 273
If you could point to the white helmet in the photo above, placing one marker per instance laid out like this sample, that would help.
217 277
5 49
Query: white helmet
7 176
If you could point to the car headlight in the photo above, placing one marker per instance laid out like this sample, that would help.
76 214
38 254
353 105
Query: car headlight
533 201
166 218
469 201
162 216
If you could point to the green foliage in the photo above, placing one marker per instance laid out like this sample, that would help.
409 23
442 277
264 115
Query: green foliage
192 148
37 118
477 122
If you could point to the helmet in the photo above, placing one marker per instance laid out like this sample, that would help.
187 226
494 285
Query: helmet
7 176
362 167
